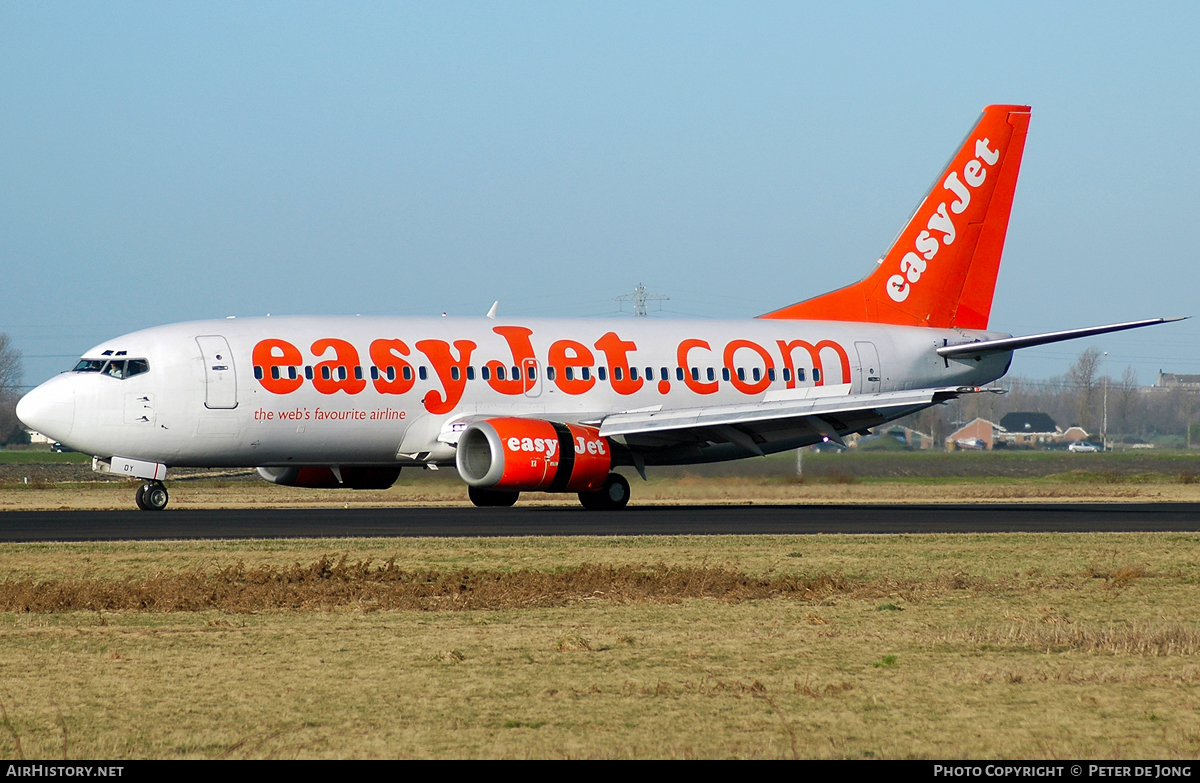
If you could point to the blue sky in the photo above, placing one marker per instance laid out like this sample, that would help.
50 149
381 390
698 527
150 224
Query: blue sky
165 162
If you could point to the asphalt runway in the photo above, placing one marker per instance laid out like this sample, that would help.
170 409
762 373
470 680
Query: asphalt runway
18 526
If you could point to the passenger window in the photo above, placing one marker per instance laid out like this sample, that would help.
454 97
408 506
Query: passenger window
485 373
500 373
724 373
570 371
470 372
358 373
291 371
341 373
632 374
741 373
532 373
711 374
787 374
550 373
695 373
757 373
800 374
258 373
816 374
516 376
771 374
374 373
274 373
585 373
619 374
664 375
601 373
422 373
308 373
407 373
391 373
678 373
455 373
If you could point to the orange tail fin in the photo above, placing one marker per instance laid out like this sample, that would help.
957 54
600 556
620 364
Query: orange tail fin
941 271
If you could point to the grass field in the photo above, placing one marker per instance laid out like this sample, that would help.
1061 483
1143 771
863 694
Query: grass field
852 477
1015 646
969 646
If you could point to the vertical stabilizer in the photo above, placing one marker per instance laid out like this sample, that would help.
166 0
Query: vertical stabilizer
942 269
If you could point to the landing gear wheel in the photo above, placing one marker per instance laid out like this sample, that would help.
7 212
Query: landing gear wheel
152 497
613 495
495 498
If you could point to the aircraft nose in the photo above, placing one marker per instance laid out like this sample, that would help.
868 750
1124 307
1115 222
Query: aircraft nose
49 409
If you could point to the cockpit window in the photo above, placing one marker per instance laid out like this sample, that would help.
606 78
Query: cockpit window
119 369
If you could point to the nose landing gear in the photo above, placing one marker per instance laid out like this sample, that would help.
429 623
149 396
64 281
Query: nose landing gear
151 496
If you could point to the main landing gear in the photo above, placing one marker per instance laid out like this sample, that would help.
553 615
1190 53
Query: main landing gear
152 496
613 495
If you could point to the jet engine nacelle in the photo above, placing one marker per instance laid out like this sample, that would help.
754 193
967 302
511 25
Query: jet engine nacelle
533 455
325 478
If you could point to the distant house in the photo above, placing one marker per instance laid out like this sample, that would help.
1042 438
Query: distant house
1170 380
914 439
36 437
975 434
1031 429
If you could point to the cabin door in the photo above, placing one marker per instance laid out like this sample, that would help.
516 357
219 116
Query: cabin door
869 376
220 379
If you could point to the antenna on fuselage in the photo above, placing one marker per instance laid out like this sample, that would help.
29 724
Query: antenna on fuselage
491 313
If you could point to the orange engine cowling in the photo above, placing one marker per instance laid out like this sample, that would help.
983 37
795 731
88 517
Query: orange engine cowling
527 455
353 477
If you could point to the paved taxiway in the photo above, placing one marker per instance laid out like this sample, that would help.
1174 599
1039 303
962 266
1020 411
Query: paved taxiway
574 521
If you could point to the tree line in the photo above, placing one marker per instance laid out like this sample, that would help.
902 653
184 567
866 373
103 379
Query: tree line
1135 414
10 387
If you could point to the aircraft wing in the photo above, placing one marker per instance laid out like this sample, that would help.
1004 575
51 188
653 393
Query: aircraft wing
750 424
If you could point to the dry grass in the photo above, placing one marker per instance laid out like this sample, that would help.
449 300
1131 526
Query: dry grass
1159 639
1002 646
334 583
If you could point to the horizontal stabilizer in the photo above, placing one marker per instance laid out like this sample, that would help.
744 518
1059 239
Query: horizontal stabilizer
984 347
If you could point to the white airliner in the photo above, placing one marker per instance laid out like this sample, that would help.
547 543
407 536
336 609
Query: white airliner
553 405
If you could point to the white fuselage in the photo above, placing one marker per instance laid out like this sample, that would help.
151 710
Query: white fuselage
270 392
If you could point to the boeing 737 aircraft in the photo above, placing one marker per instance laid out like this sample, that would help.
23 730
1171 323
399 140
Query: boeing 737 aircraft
553 405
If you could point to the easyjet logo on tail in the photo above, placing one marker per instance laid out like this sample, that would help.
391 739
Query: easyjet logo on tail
939 230
941 270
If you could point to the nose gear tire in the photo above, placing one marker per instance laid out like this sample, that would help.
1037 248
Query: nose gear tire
152 497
